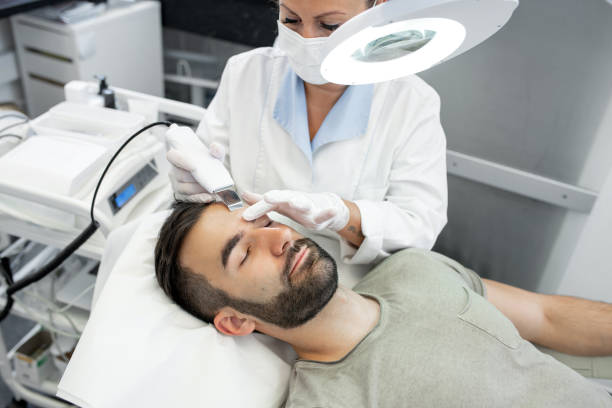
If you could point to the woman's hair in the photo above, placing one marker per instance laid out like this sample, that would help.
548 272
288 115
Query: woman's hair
190 290
369 3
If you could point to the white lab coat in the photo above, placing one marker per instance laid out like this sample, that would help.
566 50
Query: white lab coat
395 172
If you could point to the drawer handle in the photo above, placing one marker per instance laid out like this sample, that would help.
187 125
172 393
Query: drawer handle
47 54
47 80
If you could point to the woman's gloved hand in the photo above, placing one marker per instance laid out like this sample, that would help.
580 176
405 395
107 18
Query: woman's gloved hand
315 211
197 171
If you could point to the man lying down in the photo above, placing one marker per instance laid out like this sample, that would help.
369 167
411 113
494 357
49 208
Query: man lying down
416 331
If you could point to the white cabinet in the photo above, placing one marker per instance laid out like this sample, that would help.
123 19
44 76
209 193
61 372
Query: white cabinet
123 43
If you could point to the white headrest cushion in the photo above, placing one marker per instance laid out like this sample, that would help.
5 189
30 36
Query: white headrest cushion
141 349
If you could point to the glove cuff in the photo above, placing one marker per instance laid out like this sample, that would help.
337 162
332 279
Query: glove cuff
341 219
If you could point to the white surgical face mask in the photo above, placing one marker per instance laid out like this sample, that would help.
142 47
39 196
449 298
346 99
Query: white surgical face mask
305 54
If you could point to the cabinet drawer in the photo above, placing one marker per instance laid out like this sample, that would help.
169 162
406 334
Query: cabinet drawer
52 68
42 94
44 40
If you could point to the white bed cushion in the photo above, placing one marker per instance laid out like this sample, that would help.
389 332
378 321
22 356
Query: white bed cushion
141 350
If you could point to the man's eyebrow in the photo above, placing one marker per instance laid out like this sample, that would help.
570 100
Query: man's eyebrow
229 246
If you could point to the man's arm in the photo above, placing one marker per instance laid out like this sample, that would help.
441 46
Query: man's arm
567 324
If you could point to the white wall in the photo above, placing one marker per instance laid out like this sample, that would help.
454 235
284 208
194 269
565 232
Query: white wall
589 273
536 96
579 263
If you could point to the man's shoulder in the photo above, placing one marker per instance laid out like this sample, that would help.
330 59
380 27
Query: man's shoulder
323 385
414 267
400 262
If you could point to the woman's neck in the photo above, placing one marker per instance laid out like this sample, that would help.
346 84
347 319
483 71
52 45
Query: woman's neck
320 99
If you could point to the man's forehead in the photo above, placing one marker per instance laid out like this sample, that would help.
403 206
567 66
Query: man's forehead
203 244
219 224
219 212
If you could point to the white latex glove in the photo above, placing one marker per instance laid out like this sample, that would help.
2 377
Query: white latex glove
197 171
315 211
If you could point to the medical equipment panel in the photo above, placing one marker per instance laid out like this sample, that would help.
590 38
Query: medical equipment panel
133 186
107 127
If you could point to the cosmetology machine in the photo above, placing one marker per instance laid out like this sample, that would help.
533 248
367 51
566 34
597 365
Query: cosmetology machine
48 182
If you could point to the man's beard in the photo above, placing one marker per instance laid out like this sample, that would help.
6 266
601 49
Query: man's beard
300 301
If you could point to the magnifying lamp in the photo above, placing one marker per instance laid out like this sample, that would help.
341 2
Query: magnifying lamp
403 37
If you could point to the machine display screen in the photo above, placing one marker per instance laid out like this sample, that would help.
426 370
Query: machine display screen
132 187
125 195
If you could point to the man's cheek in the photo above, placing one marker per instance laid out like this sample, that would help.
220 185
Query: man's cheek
265 282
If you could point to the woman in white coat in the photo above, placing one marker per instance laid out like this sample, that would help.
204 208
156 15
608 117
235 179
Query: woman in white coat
365 161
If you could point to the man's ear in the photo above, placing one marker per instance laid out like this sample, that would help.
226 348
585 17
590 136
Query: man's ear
229 322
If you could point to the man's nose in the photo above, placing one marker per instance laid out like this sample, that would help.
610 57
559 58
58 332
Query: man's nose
277 239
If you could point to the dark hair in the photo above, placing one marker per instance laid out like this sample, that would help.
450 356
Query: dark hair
190 290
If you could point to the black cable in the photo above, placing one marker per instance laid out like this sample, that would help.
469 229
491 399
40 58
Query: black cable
93 200
13 125
8 276
11 135
7 271
7 308
56 261
76 243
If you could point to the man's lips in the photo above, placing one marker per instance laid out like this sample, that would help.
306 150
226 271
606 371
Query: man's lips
298 260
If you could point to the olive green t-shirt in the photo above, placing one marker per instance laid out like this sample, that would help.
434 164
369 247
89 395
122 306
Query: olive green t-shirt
438 343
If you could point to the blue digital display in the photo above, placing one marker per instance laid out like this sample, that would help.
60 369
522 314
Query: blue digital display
125 195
